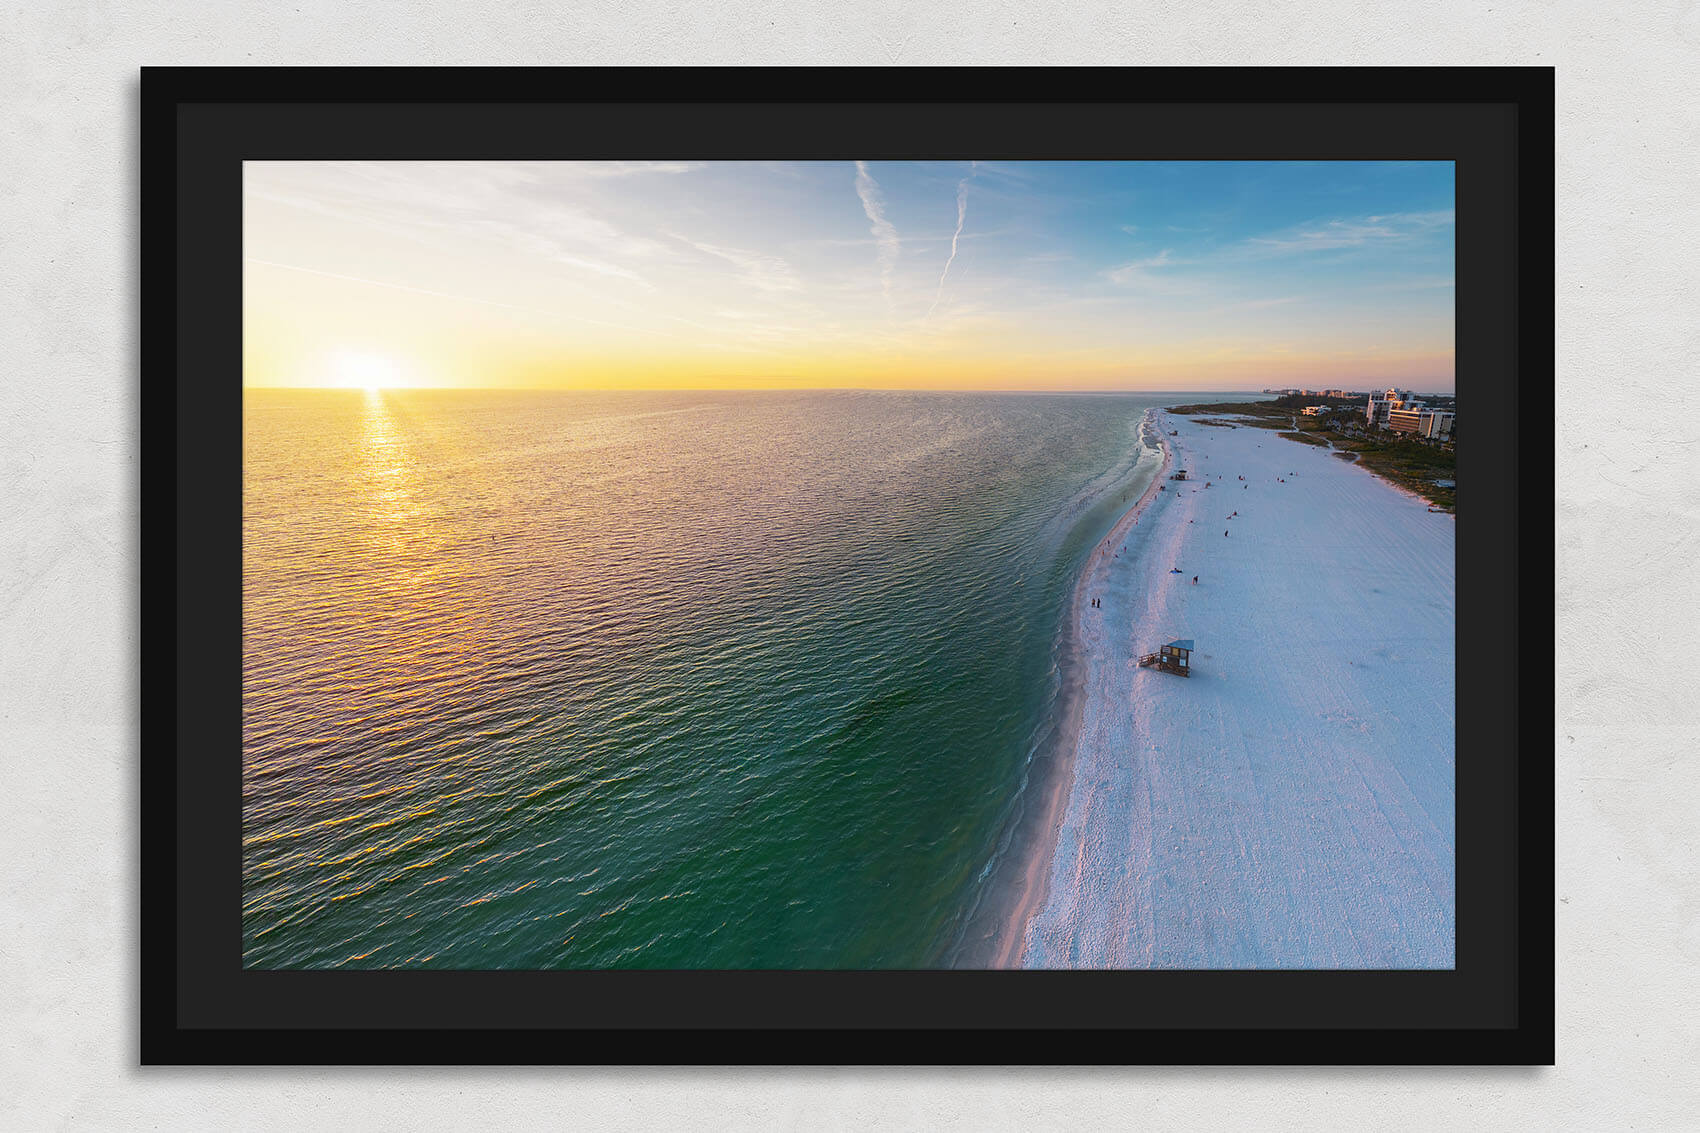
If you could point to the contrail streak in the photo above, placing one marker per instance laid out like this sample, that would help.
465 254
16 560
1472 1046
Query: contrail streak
961 216
885 233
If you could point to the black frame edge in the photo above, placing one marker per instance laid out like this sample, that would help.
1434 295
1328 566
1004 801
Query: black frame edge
164 90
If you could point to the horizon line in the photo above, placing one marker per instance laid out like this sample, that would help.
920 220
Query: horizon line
769 389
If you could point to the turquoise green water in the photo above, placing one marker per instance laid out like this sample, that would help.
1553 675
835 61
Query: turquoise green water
538 680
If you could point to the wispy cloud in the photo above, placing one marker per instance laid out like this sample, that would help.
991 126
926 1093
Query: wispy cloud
471 205
601 267
1421 283
629 168
553 315
758 269
1138 270
1253 305
961 218
1358 232
911 241
885 234
1015 172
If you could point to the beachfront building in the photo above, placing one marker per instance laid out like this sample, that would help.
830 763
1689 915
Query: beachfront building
1431 423
1383 403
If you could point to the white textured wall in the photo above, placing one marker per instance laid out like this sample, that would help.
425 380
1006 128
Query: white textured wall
1628 899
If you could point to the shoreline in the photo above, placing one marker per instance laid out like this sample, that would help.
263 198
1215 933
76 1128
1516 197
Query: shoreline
1292 804
1034 888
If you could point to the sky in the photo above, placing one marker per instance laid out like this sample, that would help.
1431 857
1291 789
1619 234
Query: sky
866 274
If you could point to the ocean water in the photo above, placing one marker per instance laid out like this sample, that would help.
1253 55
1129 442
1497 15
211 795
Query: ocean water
666 680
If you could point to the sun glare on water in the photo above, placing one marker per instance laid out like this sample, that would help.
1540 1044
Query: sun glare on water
353 369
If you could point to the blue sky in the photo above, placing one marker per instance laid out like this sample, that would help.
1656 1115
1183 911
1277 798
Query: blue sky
1205 275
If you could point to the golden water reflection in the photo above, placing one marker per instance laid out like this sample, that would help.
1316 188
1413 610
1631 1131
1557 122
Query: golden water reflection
392 475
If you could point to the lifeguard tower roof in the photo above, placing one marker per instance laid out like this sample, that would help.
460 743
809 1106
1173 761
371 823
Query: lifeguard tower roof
1184 643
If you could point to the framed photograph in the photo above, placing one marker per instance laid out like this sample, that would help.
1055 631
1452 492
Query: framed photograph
777 574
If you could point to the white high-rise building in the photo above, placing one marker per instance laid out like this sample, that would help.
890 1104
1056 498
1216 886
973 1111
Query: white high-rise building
1432 423
1384 402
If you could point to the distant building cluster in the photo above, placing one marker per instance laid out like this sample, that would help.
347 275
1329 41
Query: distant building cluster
1337 393
1401 411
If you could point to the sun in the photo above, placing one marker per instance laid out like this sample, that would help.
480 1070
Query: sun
359 369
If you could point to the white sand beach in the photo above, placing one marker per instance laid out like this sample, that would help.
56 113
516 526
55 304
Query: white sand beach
1291 804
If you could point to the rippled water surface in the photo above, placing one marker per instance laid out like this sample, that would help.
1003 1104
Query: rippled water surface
653 680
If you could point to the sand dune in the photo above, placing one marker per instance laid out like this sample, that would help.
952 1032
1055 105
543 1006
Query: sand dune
1290 804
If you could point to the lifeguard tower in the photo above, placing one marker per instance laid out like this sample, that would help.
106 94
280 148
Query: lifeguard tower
1180 474
1175 657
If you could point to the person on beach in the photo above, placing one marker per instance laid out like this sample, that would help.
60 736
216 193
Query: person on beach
1195 580
1224 534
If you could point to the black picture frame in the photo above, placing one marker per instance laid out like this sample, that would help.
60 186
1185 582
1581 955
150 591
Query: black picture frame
198 1004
